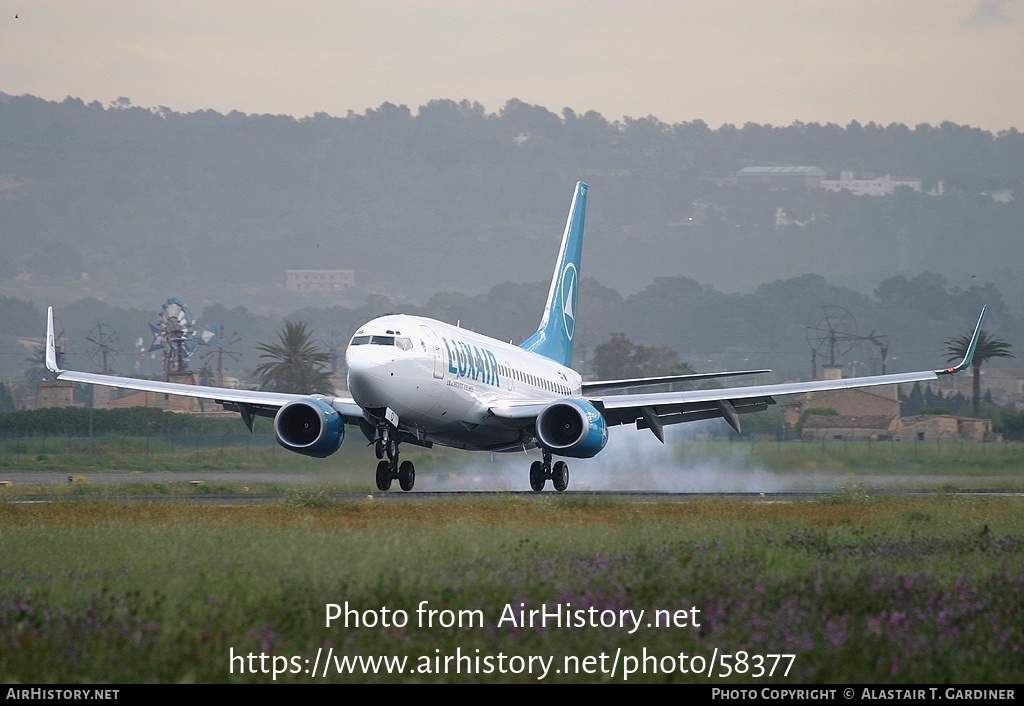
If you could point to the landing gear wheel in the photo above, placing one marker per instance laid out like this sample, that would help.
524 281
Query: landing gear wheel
406 475
378 449
560 476
383 475
537 479
391 446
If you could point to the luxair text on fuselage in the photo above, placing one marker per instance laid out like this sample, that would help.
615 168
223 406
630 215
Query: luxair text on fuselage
472 362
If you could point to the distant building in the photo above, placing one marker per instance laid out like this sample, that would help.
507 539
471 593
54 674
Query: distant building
875 186
861 414
1000 195
330 282
802 177
873 414
944 427
56 393
140 399
844 428
1005 384
160 400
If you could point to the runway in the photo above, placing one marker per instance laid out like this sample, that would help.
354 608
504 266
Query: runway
226 488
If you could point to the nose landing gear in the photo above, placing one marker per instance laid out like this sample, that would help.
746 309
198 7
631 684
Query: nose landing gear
391 469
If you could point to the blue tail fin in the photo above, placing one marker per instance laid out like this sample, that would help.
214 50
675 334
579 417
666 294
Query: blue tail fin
553 338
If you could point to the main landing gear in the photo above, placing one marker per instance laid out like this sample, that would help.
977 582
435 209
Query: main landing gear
540 471
390 469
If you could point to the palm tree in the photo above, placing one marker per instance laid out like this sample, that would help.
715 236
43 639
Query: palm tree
37 370
988 347
296 364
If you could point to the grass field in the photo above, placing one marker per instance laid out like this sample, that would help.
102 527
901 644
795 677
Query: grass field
858 588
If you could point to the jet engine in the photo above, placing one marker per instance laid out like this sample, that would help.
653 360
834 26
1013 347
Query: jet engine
310 427
572 428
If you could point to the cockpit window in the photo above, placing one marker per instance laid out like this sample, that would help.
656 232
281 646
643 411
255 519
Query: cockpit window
401 341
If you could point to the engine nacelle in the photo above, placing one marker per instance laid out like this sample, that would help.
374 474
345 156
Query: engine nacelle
572 428
310 427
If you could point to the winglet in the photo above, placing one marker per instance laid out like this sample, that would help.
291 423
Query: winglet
51 346
969 356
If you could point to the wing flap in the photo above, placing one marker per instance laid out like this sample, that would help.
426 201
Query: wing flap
656 416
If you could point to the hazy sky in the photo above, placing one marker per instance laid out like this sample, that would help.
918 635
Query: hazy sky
737 61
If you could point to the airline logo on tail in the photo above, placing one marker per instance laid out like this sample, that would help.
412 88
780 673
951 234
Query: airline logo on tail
569 298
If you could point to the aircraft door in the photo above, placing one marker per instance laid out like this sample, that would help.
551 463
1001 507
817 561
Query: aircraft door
434 343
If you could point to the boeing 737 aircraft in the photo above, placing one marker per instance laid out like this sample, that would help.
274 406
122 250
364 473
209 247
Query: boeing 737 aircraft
419 381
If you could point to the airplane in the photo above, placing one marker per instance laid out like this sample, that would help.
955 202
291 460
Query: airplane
420 381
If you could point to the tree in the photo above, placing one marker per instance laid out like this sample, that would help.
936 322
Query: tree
296 364
7 403
619 358
37 371
1012 425
988 348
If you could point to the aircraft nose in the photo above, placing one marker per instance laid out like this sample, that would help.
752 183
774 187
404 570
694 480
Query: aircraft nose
382 376
365 377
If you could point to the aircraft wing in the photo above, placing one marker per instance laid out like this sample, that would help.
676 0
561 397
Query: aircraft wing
655 410
246 402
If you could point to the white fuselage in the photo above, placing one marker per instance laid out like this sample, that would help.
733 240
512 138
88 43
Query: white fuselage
441 380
